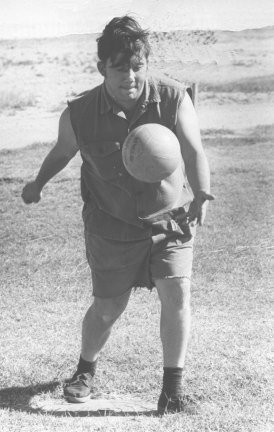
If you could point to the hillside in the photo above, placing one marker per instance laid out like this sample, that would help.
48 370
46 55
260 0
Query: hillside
234 71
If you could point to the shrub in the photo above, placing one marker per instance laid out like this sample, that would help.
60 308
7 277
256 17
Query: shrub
12 99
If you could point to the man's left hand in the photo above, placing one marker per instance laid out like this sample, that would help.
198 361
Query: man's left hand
198 207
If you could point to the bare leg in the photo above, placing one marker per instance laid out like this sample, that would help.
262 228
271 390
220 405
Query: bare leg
174 294
98 322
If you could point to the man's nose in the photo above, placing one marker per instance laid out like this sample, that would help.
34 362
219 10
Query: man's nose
130 75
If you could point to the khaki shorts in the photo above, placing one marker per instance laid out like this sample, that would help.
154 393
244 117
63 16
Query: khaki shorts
119 266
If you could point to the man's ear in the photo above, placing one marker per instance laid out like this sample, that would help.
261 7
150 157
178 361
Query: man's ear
101 68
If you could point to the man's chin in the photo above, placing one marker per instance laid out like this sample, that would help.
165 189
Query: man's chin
131 93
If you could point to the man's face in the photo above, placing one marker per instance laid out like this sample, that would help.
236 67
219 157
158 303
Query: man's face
125 81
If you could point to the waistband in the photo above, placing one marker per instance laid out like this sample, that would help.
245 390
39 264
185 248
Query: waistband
176 220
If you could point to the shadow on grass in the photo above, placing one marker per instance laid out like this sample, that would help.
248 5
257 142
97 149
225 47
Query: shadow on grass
23 399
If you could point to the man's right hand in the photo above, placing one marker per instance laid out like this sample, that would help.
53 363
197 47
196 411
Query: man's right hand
31 193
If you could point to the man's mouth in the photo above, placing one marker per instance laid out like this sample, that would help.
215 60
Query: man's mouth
128 87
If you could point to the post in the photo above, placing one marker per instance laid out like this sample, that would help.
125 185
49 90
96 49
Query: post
194 91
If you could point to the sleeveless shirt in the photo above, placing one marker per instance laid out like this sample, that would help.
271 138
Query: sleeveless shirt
115 202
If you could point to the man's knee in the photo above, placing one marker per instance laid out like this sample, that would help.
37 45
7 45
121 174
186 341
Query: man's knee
108 310
174 293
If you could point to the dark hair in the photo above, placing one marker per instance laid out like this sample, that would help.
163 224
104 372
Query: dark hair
123 35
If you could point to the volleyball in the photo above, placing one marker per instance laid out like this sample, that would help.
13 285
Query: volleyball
151 152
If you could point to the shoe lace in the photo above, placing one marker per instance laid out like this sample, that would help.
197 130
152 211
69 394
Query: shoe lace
82 378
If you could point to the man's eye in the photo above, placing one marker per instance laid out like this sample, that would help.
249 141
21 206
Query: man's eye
126 69
122 69
138 67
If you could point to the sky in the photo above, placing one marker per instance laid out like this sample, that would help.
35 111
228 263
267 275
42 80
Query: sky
48 18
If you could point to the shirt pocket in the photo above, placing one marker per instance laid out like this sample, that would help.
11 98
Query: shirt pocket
104 159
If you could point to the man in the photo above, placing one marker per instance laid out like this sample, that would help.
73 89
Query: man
137 235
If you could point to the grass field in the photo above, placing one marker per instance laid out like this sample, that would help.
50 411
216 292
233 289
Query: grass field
45 290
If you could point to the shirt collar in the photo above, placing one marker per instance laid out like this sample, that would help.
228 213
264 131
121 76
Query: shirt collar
107 103
150 95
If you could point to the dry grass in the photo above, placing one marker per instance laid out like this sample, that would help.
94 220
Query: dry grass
15 100
260 84
45 290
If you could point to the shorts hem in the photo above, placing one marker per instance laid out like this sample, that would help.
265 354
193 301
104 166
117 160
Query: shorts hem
171 277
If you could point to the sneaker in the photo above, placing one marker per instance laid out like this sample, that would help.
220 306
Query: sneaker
177 403
170 404
79 388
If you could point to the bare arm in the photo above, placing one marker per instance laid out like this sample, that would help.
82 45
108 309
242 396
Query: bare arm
196 164
63 151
